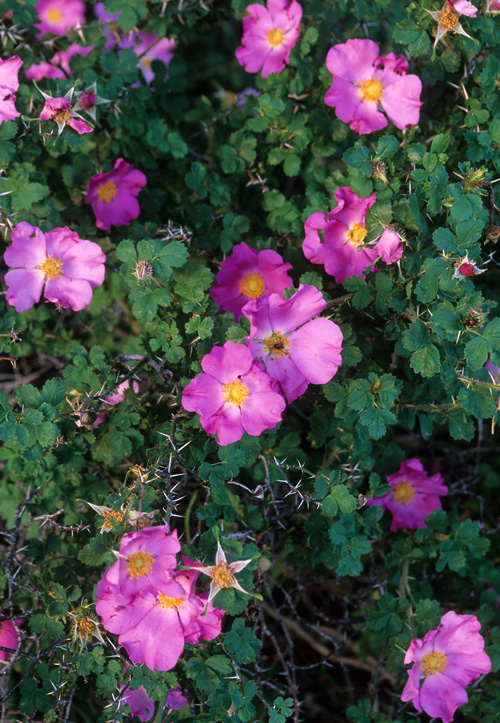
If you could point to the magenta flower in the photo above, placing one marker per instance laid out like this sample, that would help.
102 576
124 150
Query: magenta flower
149 47
138 701
269 34
444 663
59 110
8 637
364 82
248 274
296 348
233 395
113 195
116 398
175 699
146 559
9 83
59 16
413 496
44 70
343 251
389 246
62 58
111 30
59 263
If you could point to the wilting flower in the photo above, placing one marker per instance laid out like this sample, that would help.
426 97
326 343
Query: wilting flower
222 573
343 251
149 47
59 263
59 110
133 517
87 100
465 268
113 195
248 274
296 348
444 663
84 627
413 495
145 559
448 17
364 84
492 7
233 395
58 16
175 699
138 700
116 398
8 637
269 34
9 83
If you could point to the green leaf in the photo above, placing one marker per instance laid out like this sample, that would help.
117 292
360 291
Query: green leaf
241 642
28 395
358 158
426 361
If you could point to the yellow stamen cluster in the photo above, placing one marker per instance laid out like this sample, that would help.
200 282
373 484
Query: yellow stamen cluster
54 15
252 285
277 345
448 18
275 37
434 663
371 89
222 575
403 492
139 564
107 192
108 516
84 628
51 267
235 392
169 603
356 234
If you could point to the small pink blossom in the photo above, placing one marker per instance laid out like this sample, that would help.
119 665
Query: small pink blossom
138 701
444 663
59 263
111 30
414 495
269 34
59 110
463 7
59 16
149 47
248 274
175 699
9 83
493 7
389 246
62 59
296 348
44 70
116 398
8 637
342 251
364 84
233 395
113 195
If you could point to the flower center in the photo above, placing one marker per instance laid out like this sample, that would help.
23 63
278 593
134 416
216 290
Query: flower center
448 18
169 603
51 267
403 492
277 345
235 392
145 62
140 563
63 115
252 285
433 663
371 89
356 234
87 100
107 191
275 37
222 575
111 515
54 15
85 627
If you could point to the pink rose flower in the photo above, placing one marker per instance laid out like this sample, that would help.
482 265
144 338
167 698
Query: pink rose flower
50 70
342 252
389 246
8 637
138 701
59 263
113 195
233 395
147 558
269 34
149 47
296 348
248 274
414 495
175 699
364 83
44 70
59 110
116 398
444 663
9 83
59 16
110 30
493 7
463 7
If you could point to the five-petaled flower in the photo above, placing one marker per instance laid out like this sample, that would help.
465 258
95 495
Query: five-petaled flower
248 274
444 663
113 195
60 111
149 47
364 84
222 573
269 34
448 17
233 395
296 348
59 16
59 263
413 495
